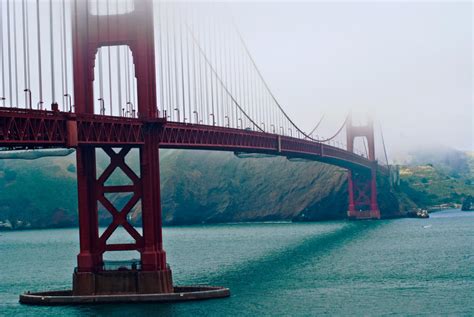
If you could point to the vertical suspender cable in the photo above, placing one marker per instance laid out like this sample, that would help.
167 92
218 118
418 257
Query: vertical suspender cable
15 51
201 93
210 70
214 50
227 76
222 75
207 104
241 85
249 93
53 90
101 68
190 113
119 71
161 64
384 148
25 52
127 73
2 57
131 72
235 81
66 73
195 78
40 71
168 59
182 65
175 52
119 81
109 61
168 56
101 71
62 62
28 72
10 91
128 81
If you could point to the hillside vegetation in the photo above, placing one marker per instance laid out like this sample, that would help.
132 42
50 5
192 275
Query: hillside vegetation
197 187
439 178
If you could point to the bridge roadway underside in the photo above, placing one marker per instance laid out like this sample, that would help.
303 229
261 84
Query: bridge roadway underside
25 128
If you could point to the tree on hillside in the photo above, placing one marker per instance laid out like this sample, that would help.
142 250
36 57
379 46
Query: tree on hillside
467 203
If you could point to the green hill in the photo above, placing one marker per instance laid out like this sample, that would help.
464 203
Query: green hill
197 187
439 179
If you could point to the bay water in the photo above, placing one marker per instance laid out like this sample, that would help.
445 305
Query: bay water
387 267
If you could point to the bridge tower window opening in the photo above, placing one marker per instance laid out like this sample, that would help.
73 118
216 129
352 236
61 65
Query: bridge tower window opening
360 146
115 84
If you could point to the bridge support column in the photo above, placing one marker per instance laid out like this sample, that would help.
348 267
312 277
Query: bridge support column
136 30
93 276
362 185
88 259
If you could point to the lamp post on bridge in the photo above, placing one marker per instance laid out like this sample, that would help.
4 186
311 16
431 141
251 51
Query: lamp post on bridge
241 124
132 109
228 121
263 124
273 127
69 104
28 96
291 132
213 118
197 116
282 130
102 106
177 110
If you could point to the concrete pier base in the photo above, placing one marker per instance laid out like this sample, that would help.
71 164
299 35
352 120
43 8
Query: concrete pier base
123 286
180 294
122 282
364 215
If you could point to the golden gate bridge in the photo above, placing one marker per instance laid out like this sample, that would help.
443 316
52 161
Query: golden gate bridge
133 74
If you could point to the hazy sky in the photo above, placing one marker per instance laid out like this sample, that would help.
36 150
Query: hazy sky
409 63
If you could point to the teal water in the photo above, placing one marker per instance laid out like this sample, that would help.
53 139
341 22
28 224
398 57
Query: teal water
401 267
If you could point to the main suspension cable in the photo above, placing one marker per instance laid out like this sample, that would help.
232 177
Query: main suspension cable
317 125
220 80
268 88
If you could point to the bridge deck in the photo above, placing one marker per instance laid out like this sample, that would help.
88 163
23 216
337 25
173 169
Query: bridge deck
43 129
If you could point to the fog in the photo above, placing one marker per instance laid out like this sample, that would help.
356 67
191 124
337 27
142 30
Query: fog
409 64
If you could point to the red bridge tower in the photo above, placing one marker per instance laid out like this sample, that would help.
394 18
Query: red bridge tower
362 185
90 32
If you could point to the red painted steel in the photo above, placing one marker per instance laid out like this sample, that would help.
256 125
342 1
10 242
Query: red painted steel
362 185
90 32
86 131
96 130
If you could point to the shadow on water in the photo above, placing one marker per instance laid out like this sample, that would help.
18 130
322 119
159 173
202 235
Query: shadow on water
250 275
246 279
294 256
